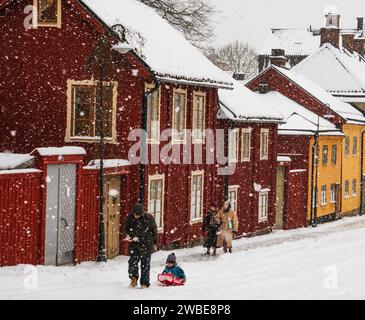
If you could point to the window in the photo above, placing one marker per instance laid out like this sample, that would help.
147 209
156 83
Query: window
179 115
324 155
324 195
156 198
153 115
347 146
333 193
354 146
334 154
198 117
84 111
263 206
48 13
264 144
233 145
314 198
197 187
246 145
232 196
354 188
347 189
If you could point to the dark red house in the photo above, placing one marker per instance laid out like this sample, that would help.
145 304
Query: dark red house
252 130
50 89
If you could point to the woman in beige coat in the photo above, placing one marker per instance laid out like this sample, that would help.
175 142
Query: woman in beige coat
228 227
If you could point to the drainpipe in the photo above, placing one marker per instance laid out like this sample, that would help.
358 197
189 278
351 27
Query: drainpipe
316 154
144 147
362 174
226 151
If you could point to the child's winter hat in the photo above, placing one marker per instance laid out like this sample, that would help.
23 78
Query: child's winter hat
171 258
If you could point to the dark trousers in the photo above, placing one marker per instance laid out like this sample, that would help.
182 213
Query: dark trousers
133 269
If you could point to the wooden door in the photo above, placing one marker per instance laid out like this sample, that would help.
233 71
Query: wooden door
280 202
112 215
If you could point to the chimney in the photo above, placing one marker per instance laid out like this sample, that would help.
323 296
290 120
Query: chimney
360 24
278 58
331 32
239 76
263 88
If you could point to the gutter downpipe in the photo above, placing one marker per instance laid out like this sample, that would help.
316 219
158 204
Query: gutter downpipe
362 174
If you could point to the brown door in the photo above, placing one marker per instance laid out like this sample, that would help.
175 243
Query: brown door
280 190
112 215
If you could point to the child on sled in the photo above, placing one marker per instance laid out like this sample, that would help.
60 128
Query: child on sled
172 275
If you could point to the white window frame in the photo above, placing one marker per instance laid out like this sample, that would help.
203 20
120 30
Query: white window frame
149 87
334 154
354 190
232 132
199 94
324 195
200 217
347 192
325 150
333 190
263 133
347 145
154 178
185 92
233 189
263 216
37 24
70 106
249 132
355 142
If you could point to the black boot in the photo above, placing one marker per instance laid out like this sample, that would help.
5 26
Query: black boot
214 252
230 250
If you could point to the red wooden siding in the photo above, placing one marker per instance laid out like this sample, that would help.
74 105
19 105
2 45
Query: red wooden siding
20 211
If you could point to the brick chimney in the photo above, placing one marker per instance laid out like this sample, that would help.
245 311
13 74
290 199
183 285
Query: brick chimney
355 42
360 24
278 58
331 32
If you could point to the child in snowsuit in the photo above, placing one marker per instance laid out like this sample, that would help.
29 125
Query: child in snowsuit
172 275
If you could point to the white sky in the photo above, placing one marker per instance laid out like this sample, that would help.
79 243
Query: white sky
250 20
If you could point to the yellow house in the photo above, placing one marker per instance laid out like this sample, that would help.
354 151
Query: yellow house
325 177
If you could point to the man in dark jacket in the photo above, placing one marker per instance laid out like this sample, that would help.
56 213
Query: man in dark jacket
141 232
210 228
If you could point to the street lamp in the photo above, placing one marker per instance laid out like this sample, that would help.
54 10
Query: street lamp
103 60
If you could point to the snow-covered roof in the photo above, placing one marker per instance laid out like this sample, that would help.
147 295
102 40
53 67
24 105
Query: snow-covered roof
298 119
343 109
295 42
241 104
109 163
336 70
9 161
63 151
163 48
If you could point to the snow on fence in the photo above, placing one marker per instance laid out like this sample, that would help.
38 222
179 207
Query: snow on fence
20 212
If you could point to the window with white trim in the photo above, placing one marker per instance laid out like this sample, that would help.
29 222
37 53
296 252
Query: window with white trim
196 195
233 196
347 189
263 206
354 146
333 193
314 198
246 145
48 13
354 187
325 155
85 112
264 144
323 195
179 115
156 198
347 146
153 115
198 126
334 154
233 145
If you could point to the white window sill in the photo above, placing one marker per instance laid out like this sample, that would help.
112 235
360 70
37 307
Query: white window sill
153 142
90 140
196 220
159 230
263 220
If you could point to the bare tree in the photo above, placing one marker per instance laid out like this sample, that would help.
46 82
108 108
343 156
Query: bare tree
235 56
192 17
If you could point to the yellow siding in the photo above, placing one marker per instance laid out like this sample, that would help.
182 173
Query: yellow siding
327 174
351 169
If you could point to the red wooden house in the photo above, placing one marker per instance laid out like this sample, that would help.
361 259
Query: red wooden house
52 92
251 127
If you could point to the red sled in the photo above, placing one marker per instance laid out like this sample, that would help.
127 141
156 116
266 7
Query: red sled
168 279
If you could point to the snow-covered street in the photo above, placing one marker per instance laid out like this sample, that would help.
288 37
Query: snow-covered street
322 263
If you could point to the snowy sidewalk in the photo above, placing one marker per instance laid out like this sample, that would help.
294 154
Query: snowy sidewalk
325 262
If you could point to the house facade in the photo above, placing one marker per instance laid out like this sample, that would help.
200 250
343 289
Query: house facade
335 155
59 90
